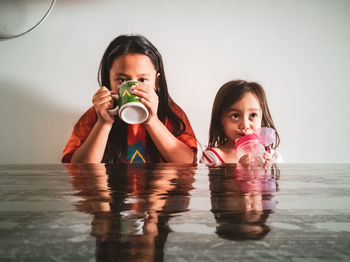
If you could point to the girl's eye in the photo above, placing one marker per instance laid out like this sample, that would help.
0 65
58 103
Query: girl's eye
120 80
254 115
235 116
142 80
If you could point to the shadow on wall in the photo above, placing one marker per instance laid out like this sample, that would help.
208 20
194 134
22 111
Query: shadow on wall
33 128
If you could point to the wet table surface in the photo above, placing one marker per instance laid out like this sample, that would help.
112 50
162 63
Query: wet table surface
172 212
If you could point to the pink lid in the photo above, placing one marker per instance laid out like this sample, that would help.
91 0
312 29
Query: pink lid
246 138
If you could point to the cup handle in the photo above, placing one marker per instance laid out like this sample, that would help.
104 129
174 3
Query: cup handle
114 111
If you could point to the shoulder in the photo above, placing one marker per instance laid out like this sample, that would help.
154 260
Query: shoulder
211 156
177 109
277 156
80 132
86 121
181 114
88 117
184 131
84 125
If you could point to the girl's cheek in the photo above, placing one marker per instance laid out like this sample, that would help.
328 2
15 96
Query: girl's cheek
114 88
257 126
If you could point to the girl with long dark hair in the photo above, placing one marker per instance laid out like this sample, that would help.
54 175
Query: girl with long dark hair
239 108
166 136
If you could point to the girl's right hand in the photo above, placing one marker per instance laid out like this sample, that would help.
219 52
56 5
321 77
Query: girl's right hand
103 101
247 161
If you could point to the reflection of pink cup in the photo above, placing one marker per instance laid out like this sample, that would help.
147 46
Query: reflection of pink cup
249 144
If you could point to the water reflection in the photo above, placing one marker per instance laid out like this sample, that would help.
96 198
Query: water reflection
242 200
131 206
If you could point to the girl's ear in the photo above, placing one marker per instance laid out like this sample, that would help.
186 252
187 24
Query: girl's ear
157 82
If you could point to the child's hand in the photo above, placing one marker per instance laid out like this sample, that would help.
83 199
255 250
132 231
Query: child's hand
103 101
269 159
148 97
252 161
248 160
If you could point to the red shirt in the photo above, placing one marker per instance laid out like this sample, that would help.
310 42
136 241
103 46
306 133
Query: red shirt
85 124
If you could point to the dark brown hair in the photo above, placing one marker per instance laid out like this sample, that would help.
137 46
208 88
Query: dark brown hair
116 145
229 94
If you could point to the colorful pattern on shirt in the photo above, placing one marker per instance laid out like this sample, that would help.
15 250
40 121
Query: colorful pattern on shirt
136 144
135 153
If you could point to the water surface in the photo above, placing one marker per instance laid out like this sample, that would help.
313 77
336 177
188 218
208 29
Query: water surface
170 212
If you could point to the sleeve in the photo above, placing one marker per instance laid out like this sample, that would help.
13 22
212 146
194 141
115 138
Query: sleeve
80 133
210 156
187 137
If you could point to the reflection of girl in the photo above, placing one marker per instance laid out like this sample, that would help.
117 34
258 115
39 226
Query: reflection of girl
242 200
239 108
143 203
131 206
166 136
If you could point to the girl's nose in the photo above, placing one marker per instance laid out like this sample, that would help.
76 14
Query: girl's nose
245 124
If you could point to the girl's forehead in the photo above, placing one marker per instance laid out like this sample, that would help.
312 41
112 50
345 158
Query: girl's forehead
247 101
134 61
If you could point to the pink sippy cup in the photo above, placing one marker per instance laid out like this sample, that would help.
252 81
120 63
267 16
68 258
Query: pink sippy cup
255 143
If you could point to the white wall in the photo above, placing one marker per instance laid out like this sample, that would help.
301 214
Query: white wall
298 50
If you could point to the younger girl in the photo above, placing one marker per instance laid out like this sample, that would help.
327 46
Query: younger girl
239 109
166 136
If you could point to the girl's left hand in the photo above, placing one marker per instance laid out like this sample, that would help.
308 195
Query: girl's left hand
269 159
148 97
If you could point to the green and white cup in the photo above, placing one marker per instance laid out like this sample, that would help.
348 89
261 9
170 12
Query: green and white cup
129 107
